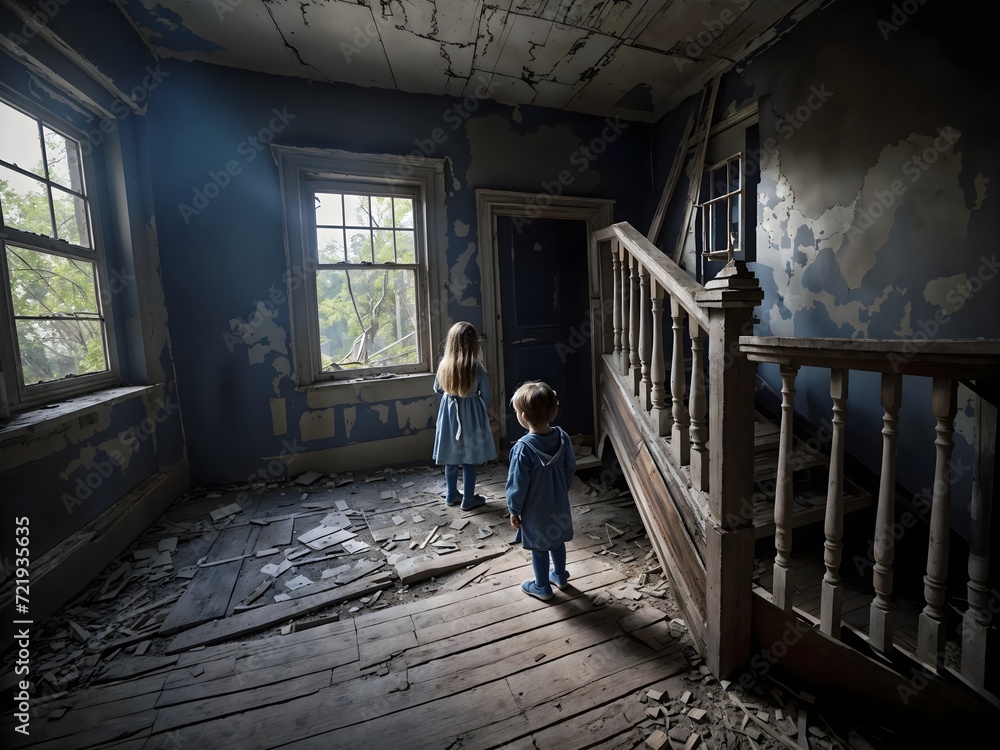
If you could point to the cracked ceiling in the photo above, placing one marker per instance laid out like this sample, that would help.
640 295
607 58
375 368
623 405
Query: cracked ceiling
632 58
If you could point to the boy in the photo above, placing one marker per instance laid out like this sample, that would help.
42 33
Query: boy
541 470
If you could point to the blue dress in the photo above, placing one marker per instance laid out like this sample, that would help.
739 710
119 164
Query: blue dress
463 425
541 471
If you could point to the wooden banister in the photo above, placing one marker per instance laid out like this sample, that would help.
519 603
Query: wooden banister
705 460
945 361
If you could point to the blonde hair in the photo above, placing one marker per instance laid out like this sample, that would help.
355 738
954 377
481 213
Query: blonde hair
537 401
457 370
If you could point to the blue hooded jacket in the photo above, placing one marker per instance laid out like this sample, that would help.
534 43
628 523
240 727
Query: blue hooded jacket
541 471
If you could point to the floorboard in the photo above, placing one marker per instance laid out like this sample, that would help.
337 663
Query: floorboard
485 666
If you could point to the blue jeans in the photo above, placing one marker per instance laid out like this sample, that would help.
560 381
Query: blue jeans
468 481
540 564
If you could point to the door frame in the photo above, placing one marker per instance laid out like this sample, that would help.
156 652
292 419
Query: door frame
598 213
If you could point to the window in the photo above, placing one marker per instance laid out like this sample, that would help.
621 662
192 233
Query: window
721 225
54 337
357 229
726 217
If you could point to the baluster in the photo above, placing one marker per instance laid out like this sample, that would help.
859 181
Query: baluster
829 618
616 310
696 406
975 633
679 437
645 338
635 316
783 594
658 395
931 630
626 307
881 621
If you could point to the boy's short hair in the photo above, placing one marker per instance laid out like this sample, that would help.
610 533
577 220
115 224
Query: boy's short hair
537 401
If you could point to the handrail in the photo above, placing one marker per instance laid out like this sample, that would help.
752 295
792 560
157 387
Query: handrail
954 358
678 284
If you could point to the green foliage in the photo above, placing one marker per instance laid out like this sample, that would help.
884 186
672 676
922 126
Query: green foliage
367 316
54 297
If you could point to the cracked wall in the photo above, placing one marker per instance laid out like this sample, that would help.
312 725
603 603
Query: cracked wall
225 269
874 219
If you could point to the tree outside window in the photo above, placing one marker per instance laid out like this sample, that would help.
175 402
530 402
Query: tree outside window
55 328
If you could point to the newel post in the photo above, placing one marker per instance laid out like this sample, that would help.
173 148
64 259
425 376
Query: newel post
729 299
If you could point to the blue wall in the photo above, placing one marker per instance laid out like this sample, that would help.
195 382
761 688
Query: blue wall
220 263
66 475
878 161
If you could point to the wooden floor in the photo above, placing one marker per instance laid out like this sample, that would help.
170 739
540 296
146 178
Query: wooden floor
482 667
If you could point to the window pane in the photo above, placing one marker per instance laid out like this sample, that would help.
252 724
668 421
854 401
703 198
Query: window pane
20 144
329 209
384 251
359 246
71 218
734 175
24 203
381 211
405 251
720 179
330 243
404 212
385 334
356 213
63 156
54 349
56 313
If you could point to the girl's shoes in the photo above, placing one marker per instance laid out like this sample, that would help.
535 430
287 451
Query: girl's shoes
475 502
529 588
560 582
450 502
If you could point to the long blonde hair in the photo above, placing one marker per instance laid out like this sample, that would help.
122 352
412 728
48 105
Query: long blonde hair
457 371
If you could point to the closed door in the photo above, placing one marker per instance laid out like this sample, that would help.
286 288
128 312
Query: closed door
545 316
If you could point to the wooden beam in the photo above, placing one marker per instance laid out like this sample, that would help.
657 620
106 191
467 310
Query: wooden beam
668 189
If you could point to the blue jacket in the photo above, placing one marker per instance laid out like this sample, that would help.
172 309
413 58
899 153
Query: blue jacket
541 471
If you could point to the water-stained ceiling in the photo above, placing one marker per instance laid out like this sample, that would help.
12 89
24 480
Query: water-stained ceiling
632 58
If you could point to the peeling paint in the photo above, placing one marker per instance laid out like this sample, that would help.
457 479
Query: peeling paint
458 278
88 454
905 325
416 415
283 367
317 425
940 292
279 416
833 252
461 228
383 412
350 419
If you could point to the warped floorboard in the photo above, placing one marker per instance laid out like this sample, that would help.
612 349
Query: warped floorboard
482 667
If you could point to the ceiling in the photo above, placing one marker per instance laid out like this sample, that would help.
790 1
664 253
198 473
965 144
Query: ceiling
633 58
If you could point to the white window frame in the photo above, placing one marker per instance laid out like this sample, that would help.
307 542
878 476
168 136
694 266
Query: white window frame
15 396
302 172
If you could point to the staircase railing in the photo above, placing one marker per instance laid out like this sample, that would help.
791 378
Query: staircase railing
689 455
945 362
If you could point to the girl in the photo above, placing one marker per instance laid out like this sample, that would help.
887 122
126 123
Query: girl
464 437
541 471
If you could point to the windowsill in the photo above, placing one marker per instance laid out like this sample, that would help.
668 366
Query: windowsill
368 390
61 415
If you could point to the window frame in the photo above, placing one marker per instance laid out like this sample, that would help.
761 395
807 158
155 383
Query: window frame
304 171
15 395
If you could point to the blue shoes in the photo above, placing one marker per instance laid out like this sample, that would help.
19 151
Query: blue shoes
560 582
475 502
452 503
529 588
